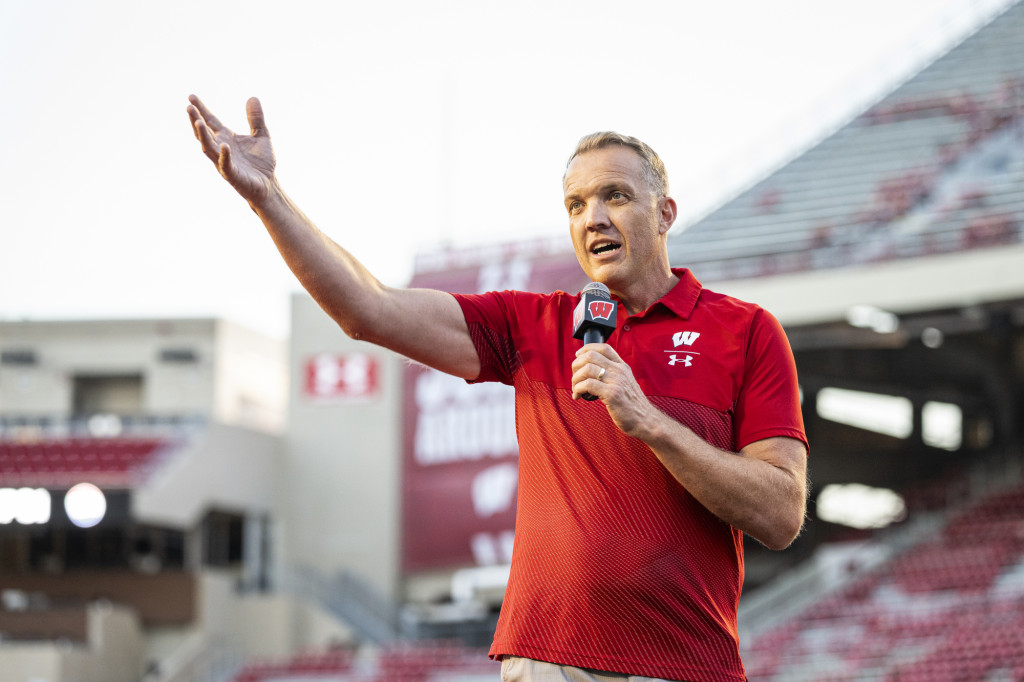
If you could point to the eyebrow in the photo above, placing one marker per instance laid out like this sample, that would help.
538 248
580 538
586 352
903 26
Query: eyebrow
606 188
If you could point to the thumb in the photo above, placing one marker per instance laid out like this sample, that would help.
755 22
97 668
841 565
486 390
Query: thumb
254 112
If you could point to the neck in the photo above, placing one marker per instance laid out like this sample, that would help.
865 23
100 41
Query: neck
643 295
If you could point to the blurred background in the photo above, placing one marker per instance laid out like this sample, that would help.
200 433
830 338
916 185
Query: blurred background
202 478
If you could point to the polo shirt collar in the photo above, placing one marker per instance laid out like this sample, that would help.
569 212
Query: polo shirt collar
682 298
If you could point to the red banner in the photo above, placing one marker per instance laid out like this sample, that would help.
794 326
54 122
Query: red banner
460 456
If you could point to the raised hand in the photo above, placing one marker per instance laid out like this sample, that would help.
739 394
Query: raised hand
246 161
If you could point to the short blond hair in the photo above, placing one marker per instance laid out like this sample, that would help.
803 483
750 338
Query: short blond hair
654 168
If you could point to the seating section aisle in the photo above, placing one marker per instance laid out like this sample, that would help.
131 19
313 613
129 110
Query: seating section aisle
951 608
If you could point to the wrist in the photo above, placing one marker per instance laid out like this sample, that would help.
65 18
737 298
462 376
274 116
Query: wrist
653 427
272 202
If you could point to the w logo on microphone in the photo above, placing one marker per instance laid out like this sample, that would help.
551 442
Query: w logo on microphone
601 310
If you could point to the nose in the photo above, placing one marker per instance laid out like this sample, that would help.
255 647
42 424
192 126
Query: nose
596 216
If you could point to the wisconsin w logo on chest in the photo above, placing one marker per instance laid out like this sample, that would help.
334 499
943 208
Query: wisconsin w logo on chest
684 338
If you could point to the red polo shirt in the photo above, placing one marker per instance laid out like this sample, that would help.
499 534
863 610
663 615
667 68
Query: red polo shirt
615 566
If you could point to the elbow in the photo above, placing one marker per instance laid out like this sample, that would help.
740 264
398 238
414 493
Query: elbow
782 529
358 327
358 315
781 537
786 521
364 333
352 330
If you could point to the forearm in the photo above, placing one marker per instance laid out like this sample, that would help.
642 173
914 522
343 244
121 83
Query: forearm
336 280
761 490
422 324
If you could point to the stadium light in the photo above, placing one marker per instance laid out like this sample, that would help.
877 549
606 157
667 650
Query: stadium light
86 505
26 506
860 506
942 425
932 337
886 414
870 317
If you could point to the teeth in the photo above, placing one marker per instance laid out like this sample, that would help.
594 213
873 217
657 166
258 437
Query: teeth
606 247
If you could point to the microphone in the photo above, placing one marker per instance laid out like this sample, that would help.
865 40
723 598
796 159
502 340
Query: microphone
593 320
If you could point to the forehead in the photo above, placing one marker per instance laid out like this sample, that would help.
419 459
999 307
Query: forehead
599 167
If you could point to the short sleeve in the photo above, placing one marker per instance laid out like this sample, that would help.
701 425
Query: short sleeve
491 323
768 403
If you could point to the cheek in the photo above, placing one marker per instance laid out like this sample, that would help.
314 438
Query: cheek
576 232
645 232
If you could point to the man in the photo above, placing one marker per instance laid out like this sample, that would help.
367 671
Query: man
628 557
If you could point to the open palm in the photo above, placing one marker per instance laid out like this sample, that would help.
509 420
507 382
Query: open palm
246 161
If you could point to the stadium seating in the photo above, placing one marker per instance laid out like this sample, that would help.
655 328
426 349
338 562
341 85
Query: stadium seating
420 661
303 664
55 463
935 167
949 608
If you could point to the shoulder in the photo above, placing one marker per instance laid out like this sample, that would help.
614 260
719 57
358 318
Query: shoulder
719 300
743 319
729 307
513 305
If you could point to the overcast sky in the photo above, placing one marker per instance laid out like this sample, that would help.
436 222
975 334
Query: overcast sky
398 126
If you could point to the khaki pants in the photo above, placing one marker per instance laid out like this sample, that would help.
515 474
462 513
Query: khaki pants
516 669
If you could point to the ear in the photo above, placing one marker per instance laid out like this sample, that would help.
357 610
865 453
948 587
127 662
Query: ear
667 211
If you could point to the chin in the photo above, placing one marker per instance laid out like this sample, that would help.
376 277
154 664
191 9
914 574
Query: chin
606 277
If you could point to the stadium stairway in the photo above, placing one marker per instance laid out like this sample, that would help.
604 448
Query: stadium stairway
351 599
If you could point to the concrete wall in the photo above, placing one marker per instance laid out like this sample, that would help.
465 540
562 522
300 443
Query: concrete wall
223 467
65 349
114 651
954 280
343 461
272 626
237 376
251 381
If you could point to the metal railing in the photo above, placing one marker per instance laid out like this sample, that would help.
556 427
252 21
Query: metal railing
106 425
351 598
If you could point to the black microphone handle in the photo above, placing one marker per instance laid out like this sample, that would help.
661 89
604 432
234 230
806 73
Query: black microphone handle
593 334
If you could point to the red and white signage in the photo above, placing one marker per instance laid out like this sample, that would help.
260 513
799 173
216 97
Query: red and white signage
460 460
341 378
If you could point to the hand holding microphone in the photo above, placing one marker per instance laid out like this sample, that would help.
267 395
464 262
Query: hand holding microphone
593 320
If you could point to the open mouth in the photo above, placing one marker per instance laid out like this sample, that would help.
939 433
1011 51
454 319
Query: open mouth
605 248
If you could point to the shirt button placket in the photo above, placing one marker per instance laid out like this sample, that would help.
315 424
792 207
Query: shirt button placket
625 347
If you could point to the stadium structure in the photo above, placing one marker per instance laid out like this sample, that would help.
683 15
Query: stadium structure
188 500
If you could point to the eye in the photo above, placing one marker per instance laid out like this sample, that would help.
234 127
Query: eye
575 206
617 196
